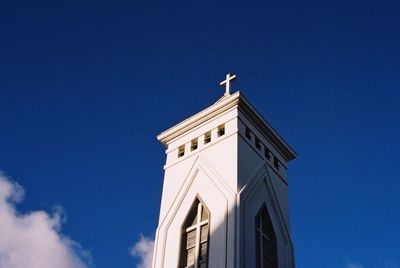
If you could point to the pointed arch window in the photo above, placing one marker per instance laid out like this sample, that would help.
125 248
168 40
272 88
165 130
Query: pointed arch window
266 250
195 237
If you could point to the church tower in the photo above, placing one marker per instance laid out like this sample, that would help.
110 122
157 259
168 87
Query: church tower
224 200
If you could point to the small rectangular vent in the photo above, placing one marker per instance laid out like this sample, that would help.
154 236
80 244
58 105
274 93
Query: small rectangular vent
194 144
248 133
181 151
258 143
207 137
221 130
276 163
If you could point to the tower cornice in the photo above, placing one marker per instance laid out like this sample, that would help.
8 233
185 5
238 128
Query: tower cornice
225 103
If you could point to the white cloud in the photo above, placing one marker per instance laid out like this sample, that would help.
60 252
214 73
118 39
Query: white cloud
143 250
34 240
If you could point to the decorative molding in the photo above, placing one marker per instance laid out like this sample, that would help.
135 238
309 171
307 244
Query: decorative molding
227 192
260 178
199 118
235 100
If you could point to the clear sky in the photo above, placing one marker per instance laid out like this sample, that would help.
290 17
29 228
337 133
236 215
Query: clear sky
85 86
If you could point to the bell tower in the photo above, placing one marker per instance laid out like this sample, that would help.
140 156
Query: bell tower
224 200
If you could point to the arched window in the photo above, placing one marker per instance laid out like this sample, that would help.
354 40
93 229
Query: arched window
266 251
195 236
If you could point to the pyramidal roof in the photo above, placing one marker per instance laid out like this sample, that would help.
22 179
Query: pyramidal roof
225 103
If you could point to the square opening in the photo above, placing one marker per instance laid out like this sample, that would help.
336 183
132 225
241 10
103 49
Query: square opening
194 144
221 130
258 143
181 151
207 137
248 133
276 163
267 153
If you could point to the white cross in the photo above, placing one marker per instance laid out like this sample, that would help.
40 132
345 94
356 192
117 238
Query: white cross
227 82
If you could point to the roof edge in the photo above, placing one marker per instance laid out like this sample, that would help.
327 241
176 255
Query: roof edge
266 128
219 107
223 104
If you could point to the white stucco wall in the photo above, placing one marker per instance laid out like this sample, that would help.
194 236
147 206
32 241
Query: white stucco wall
233 179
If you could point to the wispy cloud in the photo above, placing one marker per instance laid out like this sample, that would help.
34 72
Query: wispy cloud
143 250
354 265
34 239
380 265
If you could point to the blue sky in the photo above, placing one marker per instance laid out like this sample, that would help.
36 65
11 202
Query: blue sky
85 86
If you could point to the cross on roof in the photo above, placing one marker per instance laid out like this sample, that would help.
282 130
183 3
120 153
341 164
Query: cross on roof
227 82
